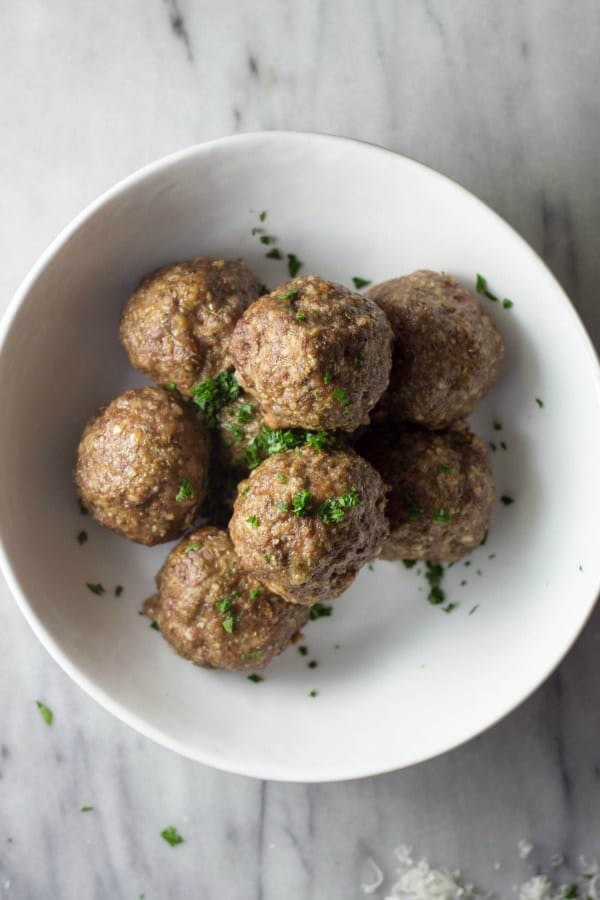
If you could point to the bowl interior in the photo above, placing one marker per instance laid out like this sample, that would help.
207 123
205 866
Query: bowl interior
397 679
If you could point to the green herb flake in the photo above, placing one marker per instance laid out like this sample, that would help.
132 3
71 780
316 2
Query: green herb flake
463 582
434 574
508 501
313 693
412 508
497 426
409 563
288 294
492 446
281 478
213 394
294 264
226 604
303 651
360 282
45 712
82 508
245 491
171 386
255 593
503 445
539 402
482 288
442 516
263 215
301 317
320 611
571 893
191 548
341 396
267 239
118 590
86 809
444 469
253 521
268 556
449 607
312 664
474 609
275 253
9 840
254 654
228 624
302 503
282 506
82 537
97 589
186 491
255 679
327 378
467 562
171 836
154 626
333 509
507 304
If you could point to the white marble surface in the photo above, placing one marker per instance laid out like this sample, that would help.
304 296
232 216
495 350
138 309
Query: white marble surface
502 97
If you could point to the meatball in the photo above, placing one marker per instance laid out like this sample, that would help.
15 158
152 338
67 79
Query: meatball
177 325
447 351
236 428
214 613
314 354
142 465
442 492
305 522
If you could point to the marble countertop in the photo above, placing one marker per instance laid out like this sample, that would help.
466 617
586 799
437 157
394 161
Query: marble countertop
501 97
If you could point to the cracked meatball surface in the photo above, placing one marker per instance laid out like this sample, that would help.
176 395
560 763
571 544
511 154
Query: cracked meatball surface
177 325
441 490
142 465
306 521
314 354
446 353
214 613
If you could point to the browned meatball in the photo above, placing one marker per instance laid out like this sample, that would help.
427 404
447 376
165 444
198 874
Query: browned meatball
306 521
314 354
142 465
447 351
214 613
177 325
442 491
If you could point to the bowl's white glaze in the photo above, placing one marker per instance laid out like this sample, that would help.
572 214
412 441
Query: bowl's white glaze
407 681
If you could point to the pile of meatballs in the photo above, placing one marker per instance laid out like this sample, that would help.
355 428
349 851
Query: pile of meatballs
290 437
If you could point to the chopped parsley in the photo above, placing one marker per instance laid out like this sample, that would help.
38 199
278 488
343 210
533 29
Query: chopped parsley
263 215
275 253
186 491
118 590
462 584
359 282
291 293
302 503
255 593
254 521
327 378
212 394
434 574
313 693
497 426
171 386
82 537
445 470
474 609
484 539
507 304
228 624
254 654
333 509
312 664
171 836
97 589
225 607
409 563
281 478
301 317
245 490
539 402
493 447
412 508
282 506
503 445
449 607
303 651
154 626
191 548
507 500
45 712
270 441
320 611
294 264
268 556
571 892
482 288
244 413
256 679
341 396
442 516
86 809
266 239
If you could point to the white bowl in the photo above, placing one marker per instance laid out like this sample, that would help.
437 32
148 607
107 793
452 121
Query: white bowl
407 681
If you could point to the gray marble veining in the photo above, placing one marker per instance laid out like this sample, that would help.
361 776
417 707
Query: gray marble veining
501 97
